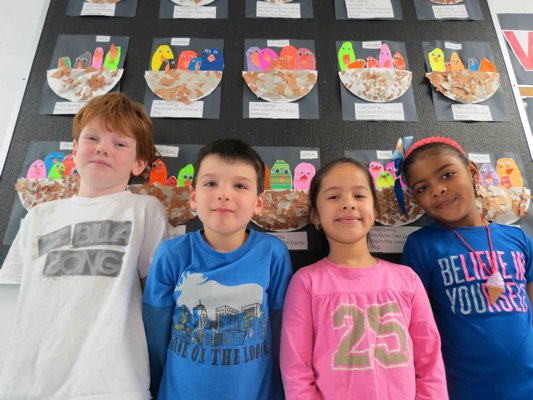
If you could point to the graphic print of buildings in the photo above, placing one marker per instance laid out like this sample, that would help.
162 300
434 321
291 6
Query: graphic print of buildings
231 327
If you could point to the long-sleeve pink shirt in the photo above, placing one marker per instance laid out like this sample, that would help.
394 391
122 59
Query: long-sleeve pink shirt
360 333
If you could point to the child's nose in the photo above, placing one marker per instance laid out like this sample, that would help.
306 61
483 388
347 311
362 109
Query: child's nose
439 190
348 206
102 148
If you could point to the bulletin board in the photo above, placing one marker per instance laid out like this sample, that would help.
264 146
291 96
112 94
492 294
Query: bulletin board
330 133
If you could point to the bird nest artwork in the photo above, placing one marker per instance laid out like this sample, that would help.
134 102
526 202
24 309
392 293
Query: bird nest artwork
174 199
378 85
192 3
82 84
502 205
280 86
465 86
284 210
389 209
182 86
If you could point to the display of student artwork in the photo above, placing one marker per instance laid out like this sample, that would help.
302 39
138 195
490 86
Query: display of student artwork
49 173
474 82
294 9
375 81
193 9
368 9
465 80
280 72
182 71
82 67
283 77
448 10
288 176
102 8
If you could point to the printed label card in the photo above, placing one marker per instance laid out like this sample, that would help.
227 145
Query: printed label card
183 78
375 81
280 78
465 80
448 10
82 67
102 8
193 9
368 9
294 9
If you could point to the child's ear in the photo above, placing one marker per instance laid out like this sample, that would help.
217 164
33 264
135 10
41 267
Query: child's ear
192 198
314 218
474 172
74 147
260 204
138 167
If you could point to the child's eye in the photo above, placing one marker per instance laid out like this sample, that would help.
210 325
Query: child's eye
420 189
448 175
359 196
210 184
333 197
240 186
121 144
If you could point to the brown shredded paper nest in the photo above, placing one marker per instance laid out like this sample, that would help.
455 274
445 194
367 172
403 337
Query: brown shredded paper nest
280 85
390 213
82 84
174 199
378 85
182 86
465 86
284 210
505 206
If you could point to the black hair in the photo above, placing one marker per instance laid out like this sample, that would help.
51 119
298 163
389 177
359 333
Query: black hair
316 183
232 150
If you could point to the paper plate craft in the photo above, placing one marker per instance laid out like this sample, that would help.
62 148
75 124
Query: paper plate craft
472 84
91 75
390 210
378 81
283 210
502 205
192 78
281 78
36 191
446 1
192 3
174 199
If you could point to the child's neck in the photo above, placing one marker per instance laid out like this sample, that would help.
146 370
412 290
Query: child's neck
225 243
351 255
471 221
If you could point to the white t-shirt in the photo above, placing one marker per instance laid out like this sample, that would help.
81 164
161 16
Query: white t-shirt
78 329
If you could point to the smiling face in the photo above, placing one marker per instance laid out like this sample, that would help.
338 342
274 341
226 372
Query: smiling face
444 187
225 197
105 160
345 206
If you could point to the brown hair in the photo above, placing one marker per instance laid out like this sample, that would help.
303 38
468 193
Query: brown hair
316 183
117 112
232 150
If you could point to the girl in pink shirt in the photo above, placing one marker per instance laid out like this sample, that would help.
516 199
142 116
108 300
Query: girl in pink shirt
356 327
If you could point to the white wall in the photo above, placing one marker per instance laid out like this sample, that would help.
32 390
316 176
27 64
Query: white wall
21 24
